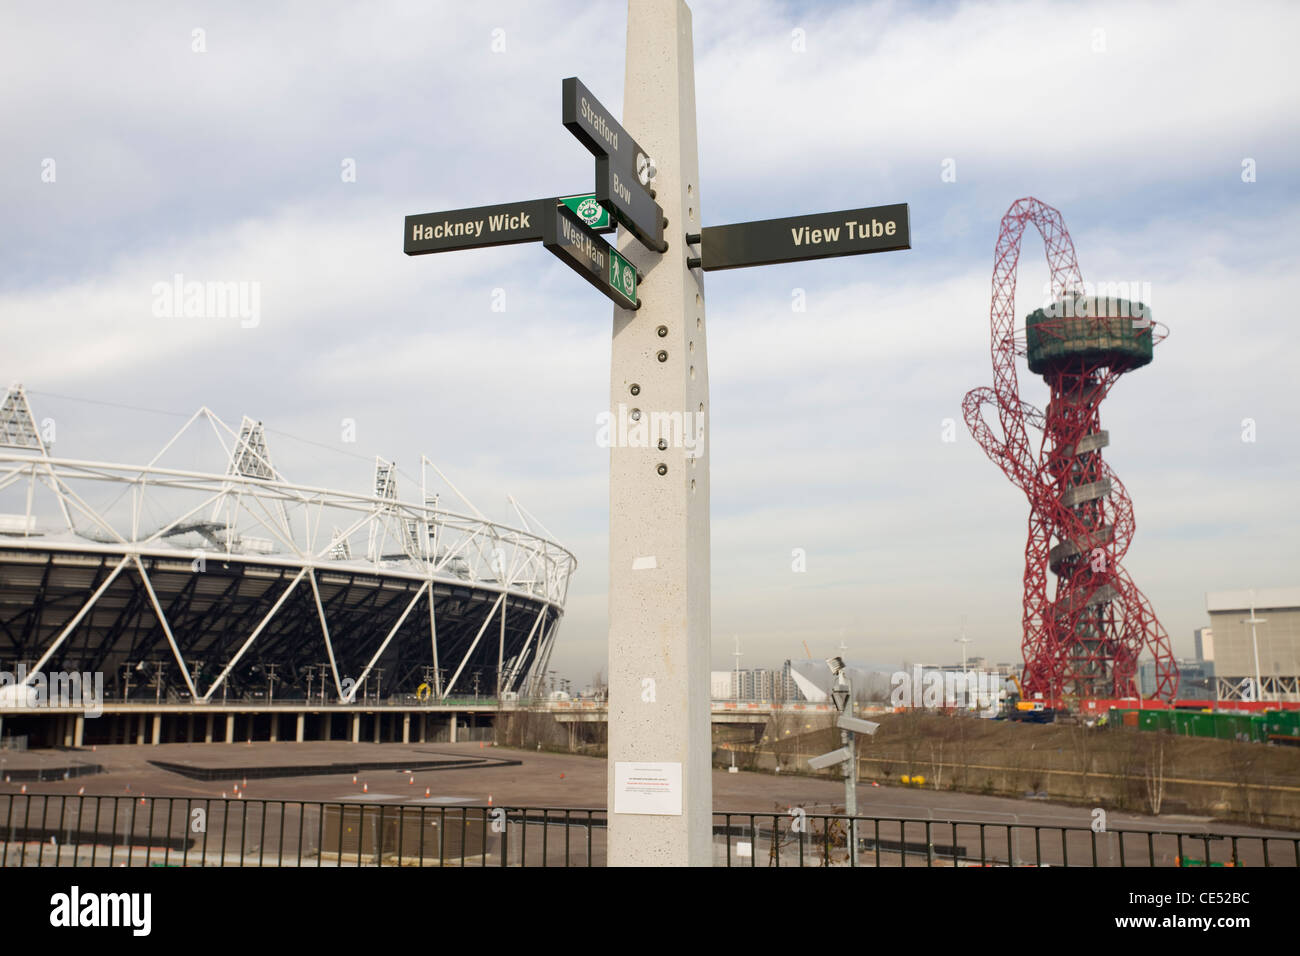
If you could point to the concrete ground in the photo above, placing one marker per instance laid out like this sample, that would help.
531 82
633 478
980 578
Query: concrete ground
344 804
539 779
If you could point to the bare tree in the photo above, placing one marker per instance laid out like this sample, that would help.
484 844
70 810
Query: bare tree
912 727
1082 743
936 756
1153 774
1241 759
961 752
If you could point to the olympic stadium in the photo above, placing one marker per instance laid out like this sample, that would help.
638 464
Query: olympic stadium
235 585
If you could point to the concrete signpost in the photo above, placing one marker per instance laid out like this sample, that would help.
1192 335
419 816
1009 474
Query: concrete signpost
660 792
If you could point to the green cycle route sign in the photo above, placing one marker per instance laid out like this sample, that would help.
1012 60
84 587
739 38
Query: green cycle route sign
589 211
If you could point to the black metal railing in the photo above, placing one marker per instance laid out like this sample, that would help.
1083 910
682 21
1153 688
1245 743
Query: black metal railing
807 839
123 830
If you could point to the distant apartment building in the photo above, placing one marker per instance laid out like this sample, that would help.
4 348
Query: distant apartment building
757 683
1204 643
789 688
731 685
1195 679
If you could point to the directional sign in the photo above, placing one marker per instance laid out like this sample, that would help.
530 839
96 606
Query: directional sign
618 191
622 167
857 726
830 759
819 236
500 225
595 127
580 248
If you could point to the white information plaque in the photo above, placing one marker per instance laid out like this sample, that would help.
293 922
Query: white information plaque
652 788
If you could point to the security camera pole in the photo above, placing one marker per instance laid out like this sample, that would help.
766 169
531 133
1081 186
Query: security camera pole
850 765
842 697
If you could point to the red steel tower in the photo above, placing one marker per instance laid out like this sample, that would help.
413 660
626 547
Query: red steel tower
1084 640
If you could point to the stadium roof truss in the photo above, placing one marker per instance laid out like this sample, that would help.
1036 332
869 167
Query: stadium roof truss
244 565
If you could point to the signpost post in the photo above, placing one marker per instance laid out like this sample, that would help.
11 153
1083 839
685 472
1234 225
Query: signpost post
660 794
659 637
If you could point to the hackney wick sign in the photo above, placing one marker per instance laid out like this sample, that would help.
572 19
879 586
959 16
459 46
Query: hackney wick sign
500 225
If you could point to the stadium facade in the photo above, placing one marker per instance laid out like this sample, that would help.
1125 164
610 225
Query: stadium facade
198 588
1256 643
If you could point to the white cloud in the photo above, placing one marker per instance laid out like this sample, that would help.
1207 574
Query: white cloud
824 426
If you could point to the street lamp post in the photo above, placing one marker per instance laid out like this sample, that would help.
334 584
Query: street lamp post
963 641
1254 640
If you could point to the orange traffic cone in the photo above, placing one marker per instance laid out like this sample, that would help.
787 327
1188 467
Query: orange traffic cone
426 791
365 788
80 791
412 780
354 778
24 789
489 799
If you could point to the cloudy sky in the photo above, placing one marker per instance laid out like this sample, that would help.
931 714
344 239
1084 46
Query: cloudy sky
129 157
